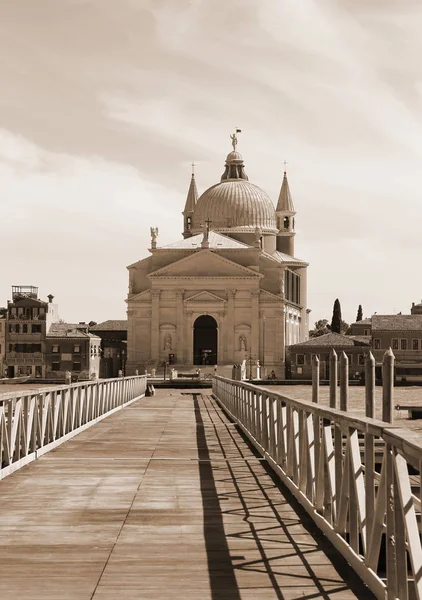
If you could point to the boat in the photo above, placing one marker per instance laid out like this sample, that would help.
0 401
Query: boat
15 380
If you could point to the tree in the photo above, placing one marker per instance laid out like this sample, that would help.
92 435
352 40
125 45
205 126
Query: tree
321 328
336 320
359 316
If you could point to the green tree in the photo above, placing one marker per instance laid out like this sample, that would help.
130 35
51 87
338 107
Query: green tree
336 321
359 316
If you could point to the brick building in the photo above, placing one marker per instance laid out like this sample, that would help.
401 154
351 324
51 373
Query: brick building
300 355
70 347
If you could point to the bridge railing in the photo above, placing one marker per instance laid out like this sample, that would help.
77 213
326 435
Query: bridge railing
358 477
33 422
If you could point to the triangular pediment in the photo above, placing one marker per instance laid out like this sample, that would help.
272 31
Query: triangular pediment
205 263
205 297
144 296
269 297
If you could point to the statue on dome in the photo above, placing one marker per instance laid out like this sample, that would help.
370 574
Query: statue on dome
234 139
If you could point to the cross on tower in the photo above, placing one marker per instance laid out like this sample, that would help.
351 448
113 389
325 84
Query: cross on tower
285 165
208 223
193 168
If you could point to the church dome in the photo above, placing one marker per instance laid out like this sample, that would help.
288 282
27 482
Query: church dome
235 204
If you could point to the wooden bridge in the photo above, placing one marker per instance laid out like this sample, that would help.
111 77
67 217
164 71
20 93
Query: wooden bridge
238 494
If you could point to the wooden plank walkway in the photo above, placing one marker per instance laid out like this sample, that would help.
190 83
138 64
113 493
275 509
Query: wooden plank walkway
162 500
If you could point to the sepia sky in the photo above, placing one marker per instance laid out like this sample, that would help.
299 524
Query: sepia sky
104 105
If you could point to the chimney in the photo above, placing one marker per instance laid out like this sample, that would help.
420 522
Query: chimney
50 298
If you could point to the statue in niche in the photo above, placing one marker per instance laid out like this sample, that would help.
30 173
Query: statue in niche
168 342
242 342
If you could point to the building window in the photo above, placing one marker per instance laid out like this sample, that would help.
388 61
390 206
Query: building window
361 360
25 328
415 344
36 328
76 366
403 344
76 349
55 366
366 332
395 344
377 344
36 347
56 349
300 359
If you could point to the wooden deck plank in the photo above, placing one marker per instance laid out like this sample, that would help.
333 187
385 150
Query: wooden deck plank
163 500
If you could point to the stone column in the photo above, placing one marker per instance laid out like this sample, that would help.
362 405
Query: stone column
222 337
189 337
230 325
179 325
155 325
263 338
255 323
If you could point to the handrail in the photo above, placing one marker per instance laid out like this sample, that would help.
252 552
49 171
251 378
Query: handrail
34 421
350 472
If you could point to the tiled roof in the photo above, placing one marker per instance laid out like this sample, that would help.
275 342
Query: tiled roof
216 240
110 326
396 323
333 340
284 258
367 321
70 330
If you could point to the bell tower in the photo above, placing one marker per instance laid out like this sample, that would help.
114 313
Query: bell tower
285 215
190 204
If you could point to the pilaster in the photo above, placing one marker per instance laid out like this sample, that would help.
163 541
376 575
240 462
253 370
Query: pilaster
179 325
189 337
255 323
155 324
230 325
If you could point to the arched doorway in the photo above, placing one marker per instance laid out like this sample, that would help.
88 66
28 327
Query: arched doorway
205 341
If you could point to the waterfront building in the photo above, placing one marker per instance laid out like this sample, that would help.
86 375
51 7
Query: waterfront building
113 334
71 348
231 289
28 320
300 355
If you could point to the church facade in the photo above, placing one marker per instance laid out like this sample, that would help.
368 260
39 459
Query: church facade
230 290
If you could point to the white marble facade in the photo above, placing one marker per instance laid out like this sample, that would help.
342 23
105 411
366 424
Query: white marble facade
225 292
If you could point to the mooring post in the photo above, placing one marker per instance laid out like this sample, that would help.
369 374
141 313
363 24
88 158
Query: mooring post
344 381
315 378
387 386
333 378
370 386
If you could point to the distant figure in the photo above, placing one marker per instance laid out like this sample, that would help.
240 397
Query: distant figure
273 375
242 342
68 377
120 373
136 372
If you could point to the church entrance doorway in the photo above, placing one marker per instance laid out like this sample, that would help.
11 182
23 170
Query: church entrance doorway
205 341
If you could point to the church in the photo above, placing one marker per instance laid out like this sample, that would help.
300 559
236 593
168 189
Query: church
230 290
